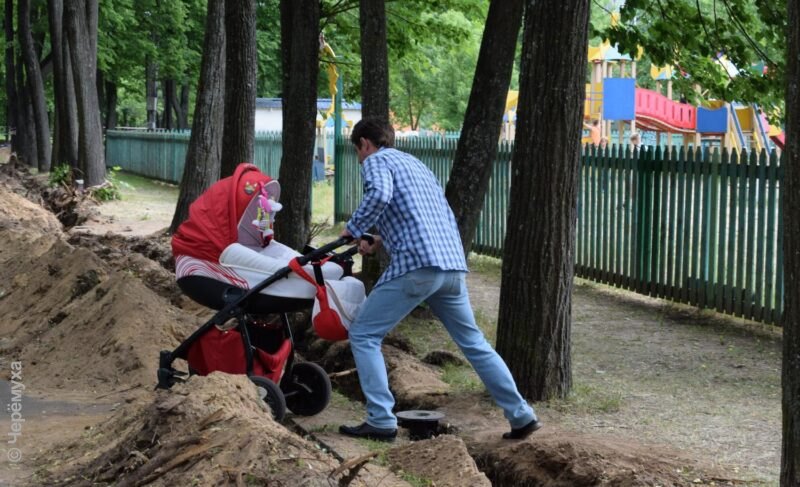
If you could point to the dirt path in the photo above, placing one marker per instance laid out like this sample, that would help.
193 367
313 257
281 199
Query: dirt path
661 373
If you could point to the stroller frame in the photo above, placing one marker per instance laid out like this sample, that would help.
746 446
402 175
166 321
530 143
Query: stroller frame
234 308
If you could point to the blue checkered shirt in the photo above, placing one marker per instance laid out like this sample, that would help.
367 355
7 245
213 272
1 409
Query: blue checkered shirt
404 200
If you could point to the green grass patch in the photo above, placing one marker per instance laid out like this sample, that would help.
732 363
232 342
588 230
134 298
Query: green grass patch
462 378
426 335
585 399
483 264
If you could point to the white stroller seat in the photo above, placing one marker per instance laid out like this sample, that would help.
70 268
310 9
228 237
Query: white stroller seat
254 266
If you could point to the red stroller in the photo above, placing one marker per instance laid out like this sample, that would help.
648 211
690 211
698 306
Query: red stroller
220 221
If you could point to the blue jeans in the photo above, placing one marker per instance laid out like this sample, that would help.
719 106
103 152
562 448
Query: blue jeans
446 294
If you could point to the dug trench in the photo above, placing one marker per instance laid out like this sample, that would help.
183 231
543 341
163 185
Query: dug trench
86 316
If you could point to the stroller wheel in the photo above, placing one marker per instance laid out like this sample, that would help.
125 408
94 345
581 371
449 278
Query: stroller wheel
308 389
270 393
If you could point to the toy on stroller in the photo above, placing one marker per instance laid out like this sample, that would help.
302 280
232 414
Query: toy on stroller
253 282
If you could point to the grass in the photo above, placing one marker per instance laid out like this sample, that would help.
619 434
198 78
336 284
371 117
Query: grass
462 378
483 264
586 399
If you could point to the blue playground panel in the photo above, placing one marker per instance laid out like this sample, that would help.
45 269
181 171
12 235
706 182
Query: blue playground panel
712 121
619 99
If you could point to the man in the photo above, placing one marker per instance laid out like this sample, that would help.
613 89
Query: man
404 200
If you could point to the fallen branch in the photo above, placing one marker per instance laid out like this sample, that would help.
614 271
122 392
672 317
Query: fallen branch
353 465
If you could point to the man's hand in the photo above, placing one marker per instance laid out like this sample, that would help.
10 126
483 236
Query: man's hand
365 248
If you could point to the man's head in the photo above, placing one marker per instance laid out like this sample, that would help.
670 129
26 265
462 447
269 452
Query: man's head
369 135
596 122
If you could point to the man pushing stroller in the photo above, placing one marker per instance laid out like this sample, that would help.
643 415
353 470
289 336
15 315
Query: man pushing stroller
417 228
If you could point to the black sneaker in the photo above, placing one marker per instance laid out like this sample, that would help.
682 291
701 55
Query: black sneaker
365 430
523 432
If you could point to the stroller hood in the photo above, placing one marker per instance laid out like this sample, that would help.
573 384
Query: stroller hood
215 216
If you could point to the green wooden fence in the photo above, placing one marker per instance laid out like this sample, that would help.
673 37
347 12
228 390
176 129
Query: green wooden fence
697 227
161 154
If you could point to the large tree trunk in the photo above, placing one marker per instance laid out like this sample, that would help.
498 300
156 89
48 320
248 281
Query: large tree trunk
374 61
790 460
374 99
299 117
34 74
69 124
12 103
65 138
111 105
25 130
533 330
152 94
183 107
205 143
90 133
238 138
100 85
169 102
477 147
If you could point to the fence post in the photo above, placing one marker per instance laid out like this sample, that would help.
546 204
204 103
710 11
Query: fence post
643 216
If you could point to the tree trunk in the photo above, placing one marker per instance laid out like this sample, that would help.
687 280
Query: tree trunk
34 74
183 108
205 143
100 86
533 330
90 133
374 100
55 10
238 138
12 103
25 131
299 118
374 61
477 147
790 459
69 122
111 105
152 94
169 101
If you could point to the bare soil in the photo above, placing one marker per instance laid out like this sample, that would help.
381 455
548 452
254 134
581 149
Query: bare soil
663 395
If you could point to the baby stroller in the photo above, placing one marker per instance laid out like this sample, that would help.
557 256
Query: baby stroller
227 260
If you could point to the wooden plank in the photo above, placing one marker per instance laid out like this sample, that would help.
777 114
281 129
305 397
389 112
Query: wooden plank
741 230
730 278
749 287
761 236
773 208
723 209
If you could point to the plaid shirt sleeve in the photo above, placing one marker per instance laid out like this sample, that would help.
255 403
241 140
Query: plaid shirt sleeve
378 187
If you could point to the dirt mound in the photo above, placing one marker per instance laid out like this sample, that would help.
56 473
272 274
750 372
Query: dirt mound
443 460
62 305
560 459
209 431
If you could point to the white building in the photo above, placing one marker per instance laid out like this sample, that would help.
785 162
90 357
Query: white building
269 114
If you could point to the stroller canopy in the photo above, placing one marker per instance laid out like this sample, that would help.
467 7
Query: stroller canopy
216 216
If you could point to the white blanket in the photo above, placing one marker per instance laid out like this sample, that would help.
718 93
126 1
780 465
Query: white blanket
254 266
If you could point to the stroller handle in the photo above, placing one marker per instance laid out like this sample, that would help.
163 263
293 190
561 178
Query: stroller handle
325 249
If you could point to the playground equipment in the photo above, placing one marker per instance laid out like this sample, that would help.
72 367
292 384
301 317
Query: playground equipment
617 99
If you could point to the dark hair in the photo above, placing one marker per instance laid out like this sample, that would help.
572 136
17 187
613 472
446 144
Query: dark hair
377 131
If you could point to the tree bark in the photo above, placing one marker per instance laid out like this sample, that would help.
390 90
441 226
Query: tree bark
34 74
111 105
374 60
12 102
169 101
183 108
238 138
483 121
533 331
152 94
205 143
55 10
299 118
25 129
790 458
69 122
90 133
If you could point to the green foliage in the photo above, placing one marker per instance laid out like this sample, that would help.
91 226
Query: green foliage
60 175
110 190
690 34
